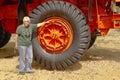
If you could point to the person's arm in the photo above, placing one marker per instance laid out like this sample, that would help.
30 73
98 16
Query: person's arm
43 23
16 37
16 41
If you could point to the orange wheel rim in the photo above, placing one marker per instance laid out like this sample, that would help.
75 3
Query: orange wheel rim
55 37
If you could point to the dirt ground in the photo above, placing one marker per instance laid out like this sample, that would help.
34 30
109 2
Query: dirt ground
101 62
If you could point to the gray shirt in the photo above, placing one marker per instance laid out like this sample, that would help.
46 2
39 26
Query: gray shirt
25 34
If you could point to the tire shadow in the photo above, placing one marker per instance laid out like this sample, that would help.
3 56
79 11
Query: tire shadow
74 67
93 54
8 51
101 53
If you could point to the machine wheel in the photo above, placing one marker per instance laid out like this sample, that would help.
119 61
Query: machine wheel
93 38
2 34
64 40
5 37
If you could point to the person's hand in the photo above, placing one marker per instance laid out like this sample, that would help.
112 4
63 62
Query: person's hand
50 21
15 48
47 22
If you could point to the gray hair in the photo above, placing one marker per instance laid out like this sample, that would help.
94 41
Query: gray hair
26 18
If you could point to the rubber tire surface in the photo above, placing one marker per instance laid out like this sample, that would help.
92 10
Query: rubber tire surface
2 34
93 38
81 34
6 39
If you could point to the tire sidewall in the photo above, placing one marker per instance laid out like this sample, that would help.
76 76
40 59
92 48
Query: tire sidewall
76 44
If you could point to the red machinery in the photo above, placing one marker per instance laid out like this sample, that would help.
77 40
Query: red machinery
73 28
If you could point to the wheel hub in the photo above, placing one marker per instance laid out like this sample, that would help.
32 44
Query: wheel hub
55 37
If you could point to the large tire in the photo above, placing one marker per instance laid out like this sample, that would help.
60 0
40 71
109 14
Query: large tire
81 34
93 38
5 38
2 34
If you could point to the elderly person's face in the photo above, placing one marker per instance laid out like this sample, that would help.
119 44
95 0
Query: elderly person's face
26 21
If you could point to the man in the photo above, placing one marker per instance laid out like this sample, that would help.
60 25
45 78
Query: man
23 43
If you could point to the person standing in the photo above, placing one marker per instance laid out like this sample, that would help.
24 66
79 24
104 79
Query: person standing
24 45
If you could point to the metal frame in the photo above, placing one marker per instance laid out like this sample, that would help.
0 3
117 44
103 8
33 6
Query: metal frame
95 12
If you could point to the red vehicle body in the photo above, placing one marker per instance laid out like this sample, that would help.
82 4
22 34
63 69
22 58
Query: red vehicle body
98 13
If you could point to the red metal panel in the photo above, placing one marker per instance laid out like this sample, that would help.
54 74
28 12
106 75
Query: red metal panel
10 11
100 18
9 17
1 12
10 25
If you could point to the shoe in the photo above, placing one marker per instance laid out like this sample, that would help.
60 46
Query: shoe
29 71
21 73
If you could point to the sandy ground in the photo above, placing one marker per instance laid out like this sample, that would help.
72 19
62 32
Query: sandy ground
101 62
